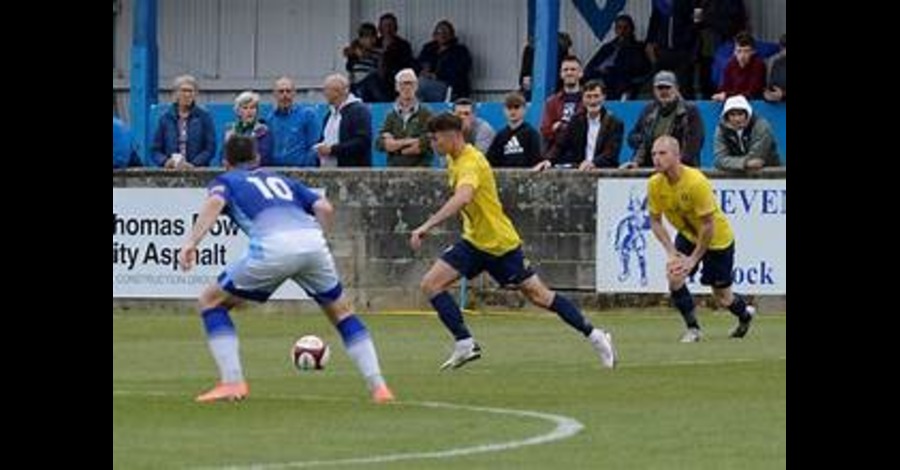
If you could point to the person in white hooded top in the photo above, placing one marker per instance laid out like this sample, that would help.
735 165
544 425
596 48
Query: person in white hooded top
744 141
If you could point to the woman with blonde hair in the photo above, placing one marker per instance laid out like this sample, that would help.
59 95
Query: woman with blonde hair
249 124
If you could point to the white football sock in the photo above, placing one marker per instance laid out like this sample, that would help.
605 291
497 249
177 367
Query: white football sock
362 352
224 349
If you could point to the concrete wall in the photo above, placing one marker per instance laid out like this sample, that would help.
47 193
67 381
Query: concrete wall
554 212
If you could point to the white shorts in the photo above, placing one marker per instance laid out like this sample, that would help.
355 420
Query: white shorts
256 277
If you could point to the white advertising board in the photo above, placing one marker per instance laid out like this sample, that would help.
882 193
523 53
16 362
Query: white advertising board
631 260
149 227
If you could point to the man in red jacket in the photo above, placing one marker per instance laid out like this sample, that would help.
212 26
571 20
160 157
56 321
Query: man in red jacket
745 73
560 108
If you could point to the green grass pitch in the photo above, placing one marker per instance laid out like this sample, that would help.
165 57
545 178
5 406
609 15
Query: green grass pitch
537 399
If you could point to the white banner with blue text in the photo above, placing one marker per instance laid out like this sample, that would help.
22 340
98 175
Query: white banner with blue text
149 227
631 260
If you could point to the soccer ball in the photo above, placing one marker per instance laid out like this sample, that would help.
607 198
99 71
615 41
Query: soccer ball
310 353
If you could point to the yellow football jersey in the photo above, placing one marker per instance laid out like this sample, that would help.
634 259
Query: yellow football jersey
685 202
485 225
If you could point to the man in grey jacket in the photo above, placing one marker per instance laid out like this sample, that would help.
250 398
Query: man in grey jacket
744 141
476 131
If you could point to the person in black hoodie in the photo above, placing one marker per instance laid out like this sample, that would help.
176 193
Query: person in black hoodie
518 145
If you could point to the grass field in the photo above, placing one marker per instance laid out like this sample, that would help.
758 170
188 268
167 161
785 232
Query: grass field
537 399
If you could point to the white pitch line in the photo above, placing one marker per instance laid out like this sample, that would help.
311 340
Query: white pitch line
565 427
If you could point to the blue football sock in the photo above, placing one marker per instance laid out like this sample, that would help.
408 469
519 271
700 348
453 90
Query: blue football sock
223 344
570 314
361 349
739 308
684 302
450 315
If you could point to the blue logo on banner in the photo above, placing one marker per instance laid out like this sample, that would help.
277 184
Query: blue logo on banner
630 241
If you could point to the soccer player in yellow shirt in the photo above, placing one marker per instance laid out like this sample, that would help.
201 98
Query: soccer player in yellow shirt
489 242
685 197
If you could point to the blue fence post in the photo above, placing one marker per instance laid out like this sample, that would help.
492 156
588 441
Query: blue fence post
144 75
544 74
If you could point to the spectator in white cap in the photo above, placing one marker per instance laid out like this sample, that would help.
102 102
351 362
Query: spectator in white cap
744 141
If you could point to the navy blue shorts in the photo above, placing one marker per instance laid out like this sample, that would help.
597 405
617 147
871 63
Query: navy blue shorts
510 268
717 264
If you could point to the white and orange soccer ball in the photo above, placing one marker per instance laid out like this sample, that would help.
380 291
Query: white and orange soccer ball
310 353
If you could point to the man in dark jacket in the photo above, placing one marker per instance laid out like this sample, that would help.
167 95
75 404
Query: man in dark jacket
777 87
621 63
347 131
593 138
667 114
